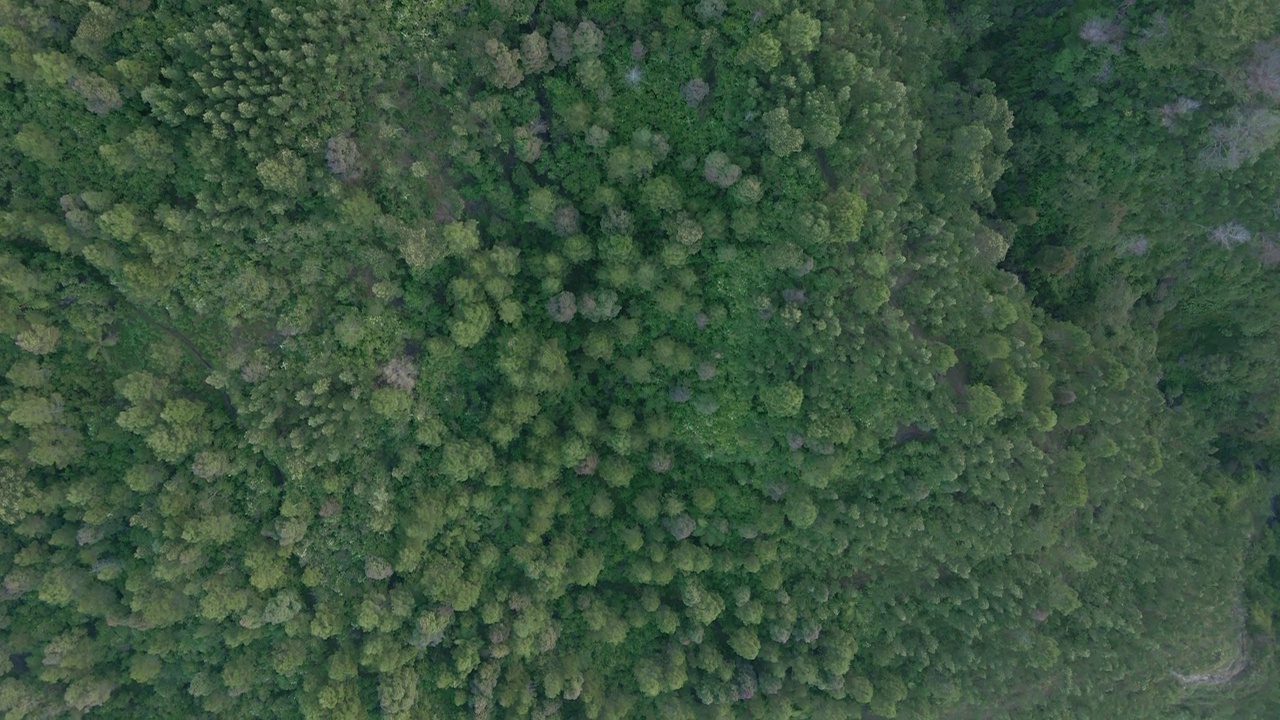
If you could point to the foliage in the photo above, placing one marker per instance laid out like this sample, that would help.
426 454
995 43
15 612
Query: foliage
622 359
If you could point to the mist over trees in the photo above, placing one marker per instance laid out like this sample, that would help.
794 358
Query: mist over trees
717 359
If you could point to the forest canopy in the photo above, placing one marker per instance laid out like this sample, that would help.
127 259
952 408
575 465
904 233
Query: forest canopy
623 359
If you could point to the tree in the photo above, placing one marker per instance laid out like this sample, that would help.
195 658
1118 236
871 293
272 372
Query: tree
505 72
508 372
821 119
38 339
719 170
471 324
534 53
763 51
695 91
398 692
783 139
1249 134
1263 70
800 32
745 643
343 157
783 400
1227 28
588 40
283 173
101 97
984 403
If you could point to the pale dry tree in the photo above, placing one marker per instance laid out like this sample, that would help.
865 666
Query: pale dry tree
1249 134
661 461
616 221
1230 234
563 307
1135 244
1263 71
375 568
400 373
100 96
1171 112
342 156
566 220
588 465
1269 250
1101 31
1106 72
681 526
695 91
706 370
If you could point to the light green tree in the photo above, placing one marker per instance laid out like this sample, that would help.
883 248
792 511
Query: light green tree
782 138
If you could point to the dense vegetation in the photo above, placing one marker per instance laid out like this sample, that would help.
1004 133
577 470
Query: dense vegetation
716 359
